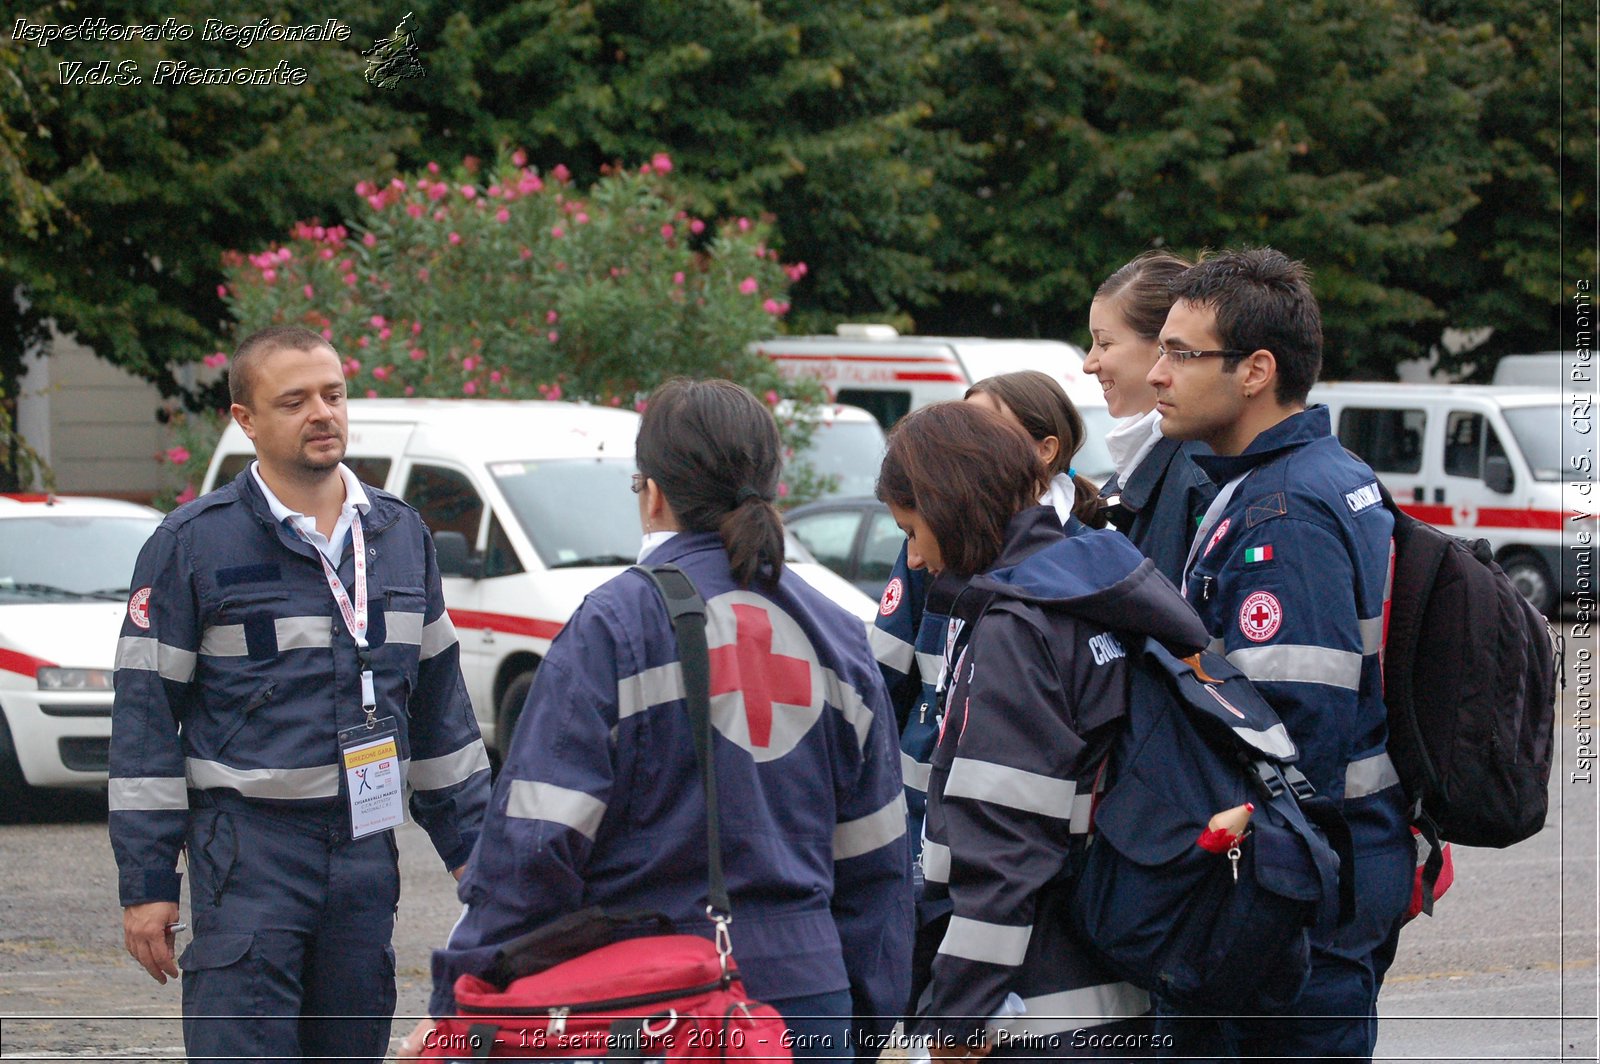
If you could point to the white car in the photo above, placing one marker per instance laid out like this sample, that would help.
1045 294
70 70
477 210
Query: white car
64 568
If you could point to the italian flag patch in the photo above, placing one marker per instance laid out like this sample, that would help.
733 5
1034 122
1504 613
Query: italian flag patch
1258 554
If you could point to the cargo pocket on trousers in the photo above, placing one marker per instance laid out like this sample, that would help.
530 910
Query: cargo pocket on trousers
208 952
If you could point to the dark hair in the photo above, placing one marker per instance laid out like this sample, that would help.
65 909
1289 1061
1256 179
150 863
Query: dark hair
259 344
1141 291
713 450
966 471
1042 405
1262 299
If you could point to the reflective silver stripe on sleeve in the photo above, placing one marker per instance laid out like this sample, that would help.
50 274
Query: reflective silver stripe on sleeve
1082 812
1371 635
1014 788
848 702
1070 1010
129 794
150 655
531 800
935 862
977 940
402 626
304 633
871 832
321 781
1370 775
890 649
436 773
1293 663
437 636
930 667
915 773
223 641
652 687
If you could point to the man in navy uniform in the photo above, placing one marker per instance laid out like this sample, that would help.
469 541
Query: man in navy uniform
286 677
1290 572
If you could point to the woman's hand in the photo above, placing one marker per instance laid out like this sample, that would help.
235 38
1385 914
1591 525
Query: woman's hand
412 1045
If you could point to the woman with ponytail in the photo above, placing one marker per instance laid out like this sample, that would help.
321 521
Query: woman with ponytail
600 801
1038 404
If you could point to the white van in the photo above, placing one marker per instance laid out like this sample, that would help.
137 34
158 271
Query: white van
1478 461
530 510
889 375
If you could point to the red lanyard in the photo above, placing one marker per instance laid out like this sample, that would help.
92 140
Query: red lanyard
355 617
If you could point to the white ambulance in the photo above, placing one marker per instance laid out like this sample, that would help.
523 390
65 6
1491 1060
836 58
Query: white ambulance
64 568
888 375
1479 461
530 509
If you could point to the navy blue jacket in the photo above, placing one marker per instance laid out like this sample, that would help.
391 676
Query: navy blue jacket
1038 690
1162 503
1292 582
234 674
600 801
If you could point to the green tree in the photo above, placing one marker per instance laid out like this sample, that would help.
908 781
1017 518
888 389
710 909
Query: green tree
1345 132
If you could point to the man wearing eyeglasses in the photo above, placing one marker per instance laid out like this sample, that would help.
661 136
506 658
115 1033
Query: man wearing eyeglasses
1289 570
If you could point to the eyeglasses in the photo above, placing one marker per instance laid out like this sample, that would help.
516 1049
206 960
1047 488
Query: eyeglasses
1179 356
637 483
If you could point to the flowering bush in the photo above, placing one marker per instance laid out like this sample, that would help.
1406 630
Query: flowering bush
504 282
193 435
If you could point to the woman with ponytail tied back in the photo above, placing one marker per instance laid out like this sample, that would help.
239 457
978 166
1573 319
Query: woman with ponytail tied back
601 803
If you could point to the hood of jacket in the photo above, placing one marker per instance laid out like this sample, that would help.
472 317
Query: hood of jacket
1096 575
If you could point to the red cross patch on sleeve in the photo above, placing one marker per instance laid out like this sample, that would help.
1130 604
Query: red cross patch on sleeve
1260 617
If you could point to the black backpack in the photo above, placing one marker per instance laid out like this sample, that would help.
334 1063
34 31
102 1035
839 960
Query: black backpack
1208 931
1469 672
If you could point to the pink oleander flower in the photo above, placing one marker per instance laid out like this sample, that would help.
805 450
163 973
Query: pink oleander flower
438 191
494 376
519 158
363 188
748 286
416 326
410 390
311 293
744 225
469 192
363 341
696 226
376 202
352 366
552 336
439 216
772 306
269 275
382 373
370 240
327 334
186 495
350 279
414 209
615 400
554 393
469 363
378 321
325 254
526 253
372 393
557 232
582 218
284 254
551 317
423 274
318 232
418 354
561 173
222 291
215 359
529 184
471 387
385 333
639 405
178 455
783 490
433 168
771 397
677 278
667 232
502 216
454 238
661 162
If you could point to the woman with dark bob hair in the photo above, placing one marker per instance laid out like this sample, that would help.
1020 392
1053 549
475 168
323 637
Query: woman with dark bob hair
600 801
1038 686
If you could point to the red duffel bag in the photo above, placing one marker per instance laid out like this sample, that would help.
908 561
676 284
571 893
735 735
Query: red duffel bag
665 996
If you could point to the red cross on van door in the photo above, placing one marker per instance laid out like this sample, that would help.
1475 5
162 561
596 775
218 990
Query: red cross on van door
761 678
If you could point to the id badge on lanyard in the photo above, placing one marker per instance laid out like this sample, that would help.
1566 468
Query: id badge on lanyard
369 753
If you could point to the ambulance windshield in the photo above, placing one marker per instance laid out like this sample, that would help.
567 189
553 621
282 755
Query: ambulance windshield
576 511
1548 437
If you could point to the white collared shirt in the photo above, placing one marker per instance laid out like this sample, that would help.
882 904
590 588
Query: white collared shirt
331 547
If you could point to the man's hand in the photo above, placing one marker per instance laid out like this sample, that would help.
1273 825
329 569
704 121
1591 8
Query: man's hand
412 1045
144 932
954 1054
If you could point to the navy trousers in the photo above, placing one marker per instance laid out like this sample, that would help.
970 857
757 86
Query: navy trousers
293 922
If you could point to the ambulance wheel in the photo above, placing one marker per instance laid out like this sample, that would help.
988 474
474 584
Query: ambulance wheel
1529 576
14 788
511 712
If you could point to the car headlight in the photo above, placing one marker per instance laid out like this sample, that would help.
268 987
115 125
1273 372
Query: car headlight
55 678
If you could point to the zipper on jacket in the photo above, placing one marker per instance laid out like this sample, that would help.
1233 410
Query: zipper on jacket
558 1013
256 702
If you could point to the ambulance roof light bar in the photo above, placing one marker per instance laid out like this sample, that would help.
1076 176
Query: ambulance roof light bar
866 332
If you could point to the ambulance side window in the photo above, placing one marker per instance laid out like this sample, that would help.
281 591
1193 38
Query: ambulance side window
1388 440
446 499
500 559
1469 439
886 406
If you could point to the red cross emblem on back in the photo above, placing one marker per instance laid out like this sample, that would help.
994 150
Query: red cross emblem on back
750 666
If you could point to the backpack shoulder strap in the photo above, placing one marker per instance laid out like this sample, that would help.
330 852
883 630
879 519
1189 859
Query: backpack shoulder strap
687 611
